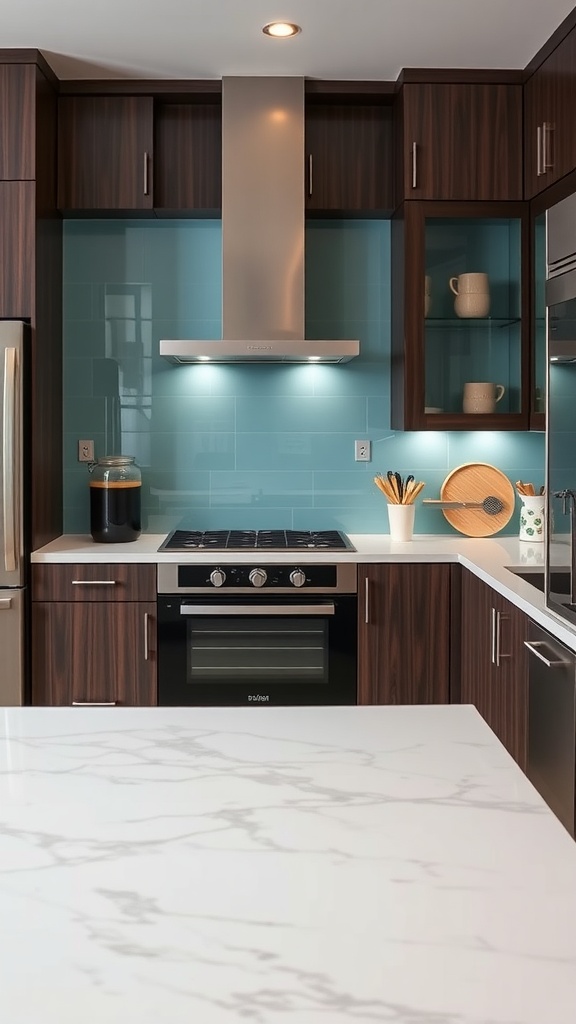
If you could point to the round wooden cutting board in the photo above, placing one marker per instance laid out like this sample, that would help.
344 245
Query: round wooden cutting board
475 481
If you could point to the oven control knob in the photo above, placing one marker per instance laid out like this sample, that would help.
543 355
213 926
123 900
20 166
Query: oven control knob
217 577
257 577
297 578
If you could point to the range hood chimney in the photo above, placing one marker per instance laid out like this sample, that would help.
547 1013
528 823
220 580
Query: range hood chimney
262 232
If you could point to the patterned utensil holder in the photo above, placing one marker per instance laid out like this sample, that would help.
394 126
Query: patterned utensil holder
532 512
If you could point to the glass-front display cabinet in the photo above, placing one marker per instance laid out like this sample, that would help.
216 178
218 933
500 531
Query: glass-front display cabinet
460 317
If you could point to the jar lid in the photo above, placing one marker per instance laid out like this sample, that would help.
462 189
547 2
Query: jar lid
116 460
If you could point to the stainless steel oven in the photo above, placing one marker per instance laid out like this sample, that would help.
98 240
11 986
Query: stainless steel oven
260 633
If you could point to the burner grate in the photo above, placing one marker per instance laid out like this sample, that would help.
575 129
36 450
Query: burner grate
241 540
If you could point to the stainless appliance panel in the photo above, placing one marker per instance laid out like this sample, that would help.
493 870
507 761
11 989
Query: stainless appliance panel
263 209
12 647
552 723
11 453
561 220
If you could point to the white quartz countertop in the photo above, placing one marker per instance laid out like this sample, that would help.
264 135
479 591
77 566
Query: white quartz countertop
488 558
274 865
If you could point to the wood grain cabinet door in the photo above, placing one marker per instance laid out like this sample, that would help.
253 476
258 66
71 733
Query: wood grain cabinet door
17 217
550 108
462 141
105 153
94 653
349 157
17 122
494 666
403 634
188 158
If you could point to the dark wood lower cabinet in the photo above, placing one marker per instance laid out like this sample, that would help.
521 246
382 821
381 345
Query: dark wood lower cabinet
94 652
94 634
494 663
403 633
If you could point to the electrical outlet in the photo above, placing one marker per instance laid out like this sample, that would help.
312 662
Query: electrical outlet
362 451
85 451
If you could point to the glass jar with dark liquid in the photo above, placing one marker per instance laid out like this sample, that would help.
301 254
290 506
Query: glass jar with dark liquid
115 493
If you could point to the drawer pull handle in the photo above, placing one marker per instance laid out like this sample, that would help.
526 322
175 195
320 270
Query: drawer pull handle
146 186
146 642
94 703
535 647
93 583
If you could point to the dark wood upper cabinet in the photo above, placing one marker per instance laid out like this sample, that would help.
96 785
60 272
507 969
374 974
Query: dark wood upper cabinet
17 216
188 158
349 152
403 634
460 141
17 122
494 668
550 102
105 153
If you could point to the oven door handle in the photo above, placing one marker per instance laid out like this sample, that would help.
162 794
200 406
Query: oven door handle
261 609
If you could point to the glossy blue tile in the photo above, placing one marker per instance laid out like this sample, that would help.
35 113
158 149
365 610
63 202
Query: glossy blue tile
260 489
183 414
277 450
305 414
411 452
202 450
509 451
177 488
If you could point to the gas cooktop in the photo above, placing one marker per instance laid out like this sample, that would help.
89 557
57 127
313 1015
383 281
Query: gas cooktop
245 540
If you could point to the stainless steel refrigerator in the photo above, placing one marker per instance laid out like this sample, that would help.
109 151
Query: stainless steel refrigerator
14 341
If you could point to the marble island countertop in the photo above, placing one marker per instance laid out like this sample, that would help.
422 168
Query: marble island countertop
311 865
488 558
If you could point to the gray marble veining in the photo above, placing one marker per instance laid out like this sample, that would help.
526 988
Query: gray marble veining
274 865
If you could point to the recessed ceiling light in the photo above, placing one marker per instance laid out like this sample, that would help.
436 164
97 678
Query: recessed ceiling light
281 29
204 359
313 359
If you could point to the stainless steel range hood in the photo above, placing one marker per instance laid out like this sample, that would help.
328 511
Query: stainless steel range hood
262 232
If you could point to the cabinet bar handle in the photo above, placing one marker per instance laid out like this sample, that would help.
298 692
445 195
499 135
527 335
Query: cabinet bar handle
94 703
93 583
539 170
534 646
145 174
500 617
414 164
367 601
547 161
310 175
9 460
493 637
146 645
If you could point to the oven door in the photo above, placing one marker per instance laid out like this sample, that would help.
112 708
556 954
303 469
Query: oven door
256 650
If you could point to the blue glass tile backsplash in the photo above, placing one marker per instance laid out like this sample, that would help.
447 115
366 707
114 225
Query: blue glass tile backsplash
244 446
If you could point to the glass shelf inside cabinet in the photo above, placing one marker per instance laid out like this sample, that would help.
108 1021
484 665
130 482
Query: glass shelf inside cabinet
472 327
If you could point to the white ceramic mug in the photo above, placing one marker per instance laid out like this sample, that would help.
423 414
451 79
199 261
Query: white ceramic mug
481 396
472 293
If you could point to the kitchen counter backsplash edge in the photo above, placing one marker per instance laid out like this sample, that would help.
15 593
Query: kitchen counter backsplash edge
487 558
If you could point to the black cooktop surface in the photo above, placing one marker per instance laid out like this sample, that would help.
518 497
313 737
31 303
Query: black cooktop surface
242 540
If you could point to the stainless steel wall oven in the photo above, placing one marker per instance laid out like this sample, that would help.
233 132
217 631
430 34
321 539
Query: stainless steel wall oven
272 633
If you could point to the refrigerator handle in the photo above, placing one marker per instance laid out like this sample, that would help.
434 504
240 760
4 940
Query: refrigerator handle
9 460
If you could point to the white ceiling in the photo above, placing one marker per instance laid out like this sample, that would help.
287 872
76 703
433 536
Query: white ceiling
340 39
